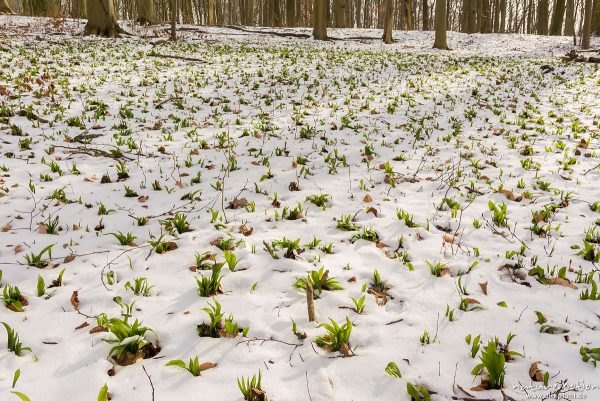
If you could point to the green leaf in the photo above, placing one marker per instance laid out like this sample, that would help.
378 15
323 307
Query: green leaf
21 396
41 286
16 377
103 394
177 362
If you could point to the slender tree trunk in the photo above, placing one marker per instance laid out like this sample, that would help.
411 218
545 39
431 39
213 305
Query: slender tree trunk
596 18
5 8
542 17
409 15
276 13
570 18
211 17
587 25
78 9
557 18
174 15
146 15
290 13
188 12
426 25
320 11
502 16
387 23
471 16
440 25
102 19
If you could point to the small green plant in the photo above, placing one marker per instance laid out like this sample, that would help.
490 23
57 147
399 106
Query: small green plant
215 315
393 370
140 286
180 223
474 343
103 393
37 260
366 233
209 286
193 366
590 294
124 239
408 218
231 260
12 298
129 339
591 355
251 388
318 200
589 252
437 269
320 281
345 223
417 392
494 364
498 214
337 337
13 343
359 305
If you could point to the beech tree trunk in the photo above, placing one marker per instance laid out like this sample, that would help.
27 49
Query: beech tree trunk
78 8
426 25
440 25
502 16
587 25
557 18
570 18
187 11
596 18
5 8
320 11
276 12
146 15
387 23
542 17
174 15
290 13
102 19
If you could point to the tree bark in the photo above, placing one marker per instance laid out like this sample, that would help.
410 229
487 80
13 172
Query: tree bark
542 17
78 8
596 18
276 13
557 18
587 25
5 8
570 18
187 11
320 11
408 15
502 16
102 19
426 24
174 16
290 13
146 14
387 23
440 25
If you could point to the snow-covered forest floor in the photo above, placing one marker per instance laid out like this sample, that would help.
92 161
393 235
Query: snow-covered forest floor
451 199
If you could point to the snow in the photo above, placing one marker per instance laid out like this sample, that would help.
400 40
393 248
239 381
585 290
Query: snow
410 104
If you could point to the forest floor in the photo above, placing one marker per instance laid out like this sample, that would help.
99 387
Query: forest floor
452 200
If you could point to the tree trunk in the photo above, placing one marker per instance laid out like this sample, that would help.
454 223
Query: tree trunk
596 18
290 13
146 14
5 8
542 17
78 9
387 21
409 15
102 19
570 18
440 25
276 12
426 25
471 16
187 11
212 12
502 16
41 8
587 25
174 15
320 11
557 18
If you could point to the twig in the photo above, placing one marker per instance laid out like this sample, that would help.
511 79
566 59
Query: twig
150 380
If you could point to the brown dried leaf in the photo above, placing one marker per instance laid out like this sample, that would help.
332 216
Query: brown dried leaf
238 203
82 325
69 258
207 365
367 198
75 299
42 228
484 287
98 329
561 281
6 227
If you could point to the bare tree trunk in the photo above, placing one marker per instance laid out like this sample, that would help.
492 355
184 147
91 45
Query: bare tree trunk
320 11
102 19
188 12
557 18
542 17
276 12
290 13
502 16
587 25
78 8
570 19
174 15
440 25
212 13
409 15
5 8
387 23
596 18
426 25
146 14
